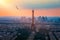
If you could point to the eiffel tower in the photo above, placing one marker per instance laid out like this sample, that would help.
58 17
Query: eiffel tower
32 24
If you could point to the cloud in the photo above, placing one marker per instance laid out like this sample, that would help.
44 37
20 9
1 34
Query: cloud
39 4
38 1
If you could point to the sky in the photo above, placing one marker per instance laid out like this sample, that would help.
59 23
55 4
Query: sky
24 7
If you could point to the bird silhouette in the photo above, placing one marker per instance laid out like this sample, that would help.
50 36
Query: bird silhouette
17 8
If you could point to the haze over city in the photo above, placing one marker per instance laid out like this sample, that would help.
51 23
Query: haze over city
29 19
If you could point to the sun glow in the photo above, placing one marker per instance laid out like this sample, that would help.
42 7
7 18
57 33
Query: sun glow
5 3
2 2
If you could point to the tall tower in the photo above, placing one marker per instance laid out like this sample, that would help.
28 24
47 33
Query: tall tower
32 25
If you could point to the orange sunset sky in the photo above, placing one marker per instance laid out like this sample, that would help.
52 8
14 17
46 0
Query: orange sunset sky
8 8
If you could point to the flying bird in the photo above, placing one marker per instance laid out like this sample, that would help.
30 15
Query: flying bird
17 8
